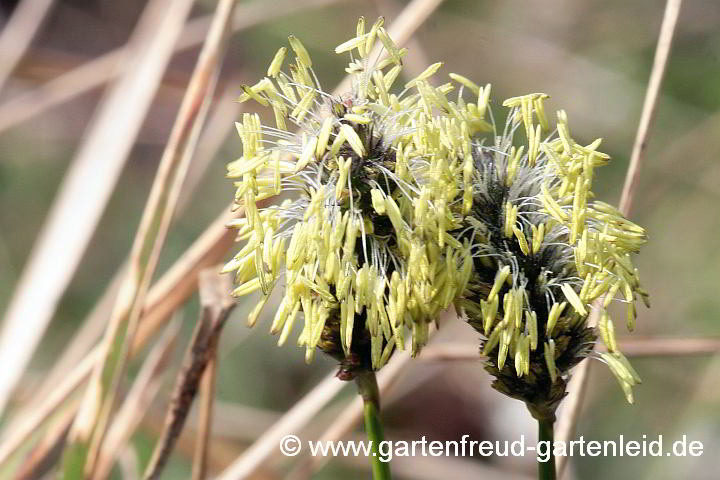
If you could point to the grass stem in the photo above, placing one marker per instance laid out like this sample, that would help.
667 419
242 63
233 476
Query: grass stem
546 469
368 389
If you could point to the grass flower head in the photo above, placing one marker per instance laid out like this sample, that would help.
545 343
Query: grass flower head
361 243
544 252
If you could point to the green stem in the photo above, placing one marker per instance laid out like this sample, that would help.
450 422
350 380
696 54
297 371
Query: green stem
546 470
368 389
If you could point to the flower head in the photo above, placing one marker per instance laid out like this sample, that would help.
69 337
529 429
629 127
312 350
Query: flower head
544 251
361 246
395 206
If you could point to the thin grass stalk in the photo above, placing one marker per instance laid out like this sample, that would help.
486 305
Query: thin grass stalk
216 305
205 415
578 385
368 389
216 131
18 32
89 429
143 391
647 117
86 189
546 467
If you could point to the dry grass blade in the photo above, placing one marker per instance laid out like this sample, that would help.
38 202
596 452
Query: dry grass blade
662 53
217 129
90 425
216 304
181 280
410 19
204 427
86 189
144 389
233 426
221 453
101 70
19 32
576 391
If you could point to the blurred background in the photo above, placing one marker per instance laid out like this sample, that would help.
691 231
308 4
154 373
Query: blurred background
592 58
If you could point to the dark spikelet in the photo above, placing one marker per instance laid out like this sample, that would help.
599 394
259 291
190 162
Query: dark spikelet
542 254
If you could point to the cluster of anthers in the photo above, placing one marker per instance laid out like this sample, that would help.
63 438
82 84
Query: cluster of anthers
363 244
544 255
396 205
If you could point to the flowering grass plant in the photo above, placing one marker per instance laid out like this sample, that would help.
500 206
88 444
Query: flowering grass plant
395 202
